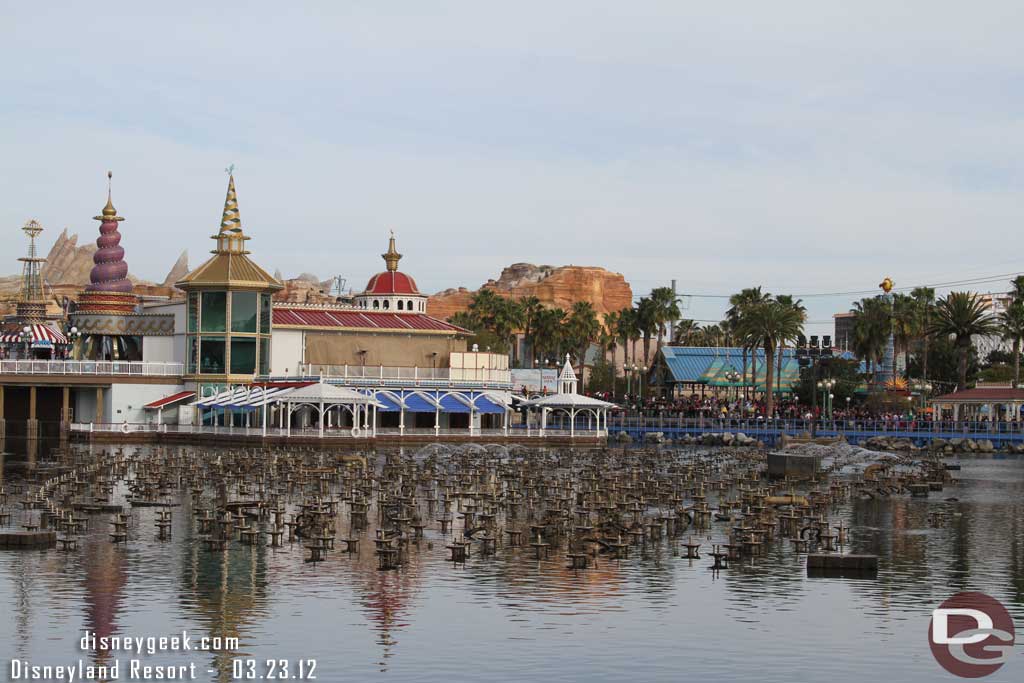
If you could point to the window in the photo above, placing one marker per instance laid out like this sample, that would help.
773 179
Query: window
214 311
243 356
266 313
243 311
264 356
376 304
387 304
408 305
192 326
191 351
400 305
211 356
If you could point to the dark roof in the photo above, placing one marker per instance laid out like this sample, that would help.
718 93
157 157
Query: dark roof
357 319
982 395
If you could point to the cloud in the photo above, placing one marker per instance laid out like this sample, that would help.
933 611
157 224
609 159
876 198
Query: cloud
808 146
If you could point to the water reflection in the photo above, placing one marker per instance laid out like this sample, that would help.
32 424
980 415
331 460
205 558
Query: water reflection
649 616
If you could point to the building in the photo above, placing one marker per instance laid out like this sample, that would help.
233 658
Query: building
842 333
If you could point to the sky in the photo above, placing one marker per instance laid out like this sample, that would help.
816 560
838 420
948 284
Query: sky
809 147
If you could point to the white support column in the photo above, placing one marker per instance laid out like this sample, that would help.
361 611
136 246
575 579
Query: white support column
504 425
320 424
437 420
265 408
401 418
543 420
572 423
289 419
373 426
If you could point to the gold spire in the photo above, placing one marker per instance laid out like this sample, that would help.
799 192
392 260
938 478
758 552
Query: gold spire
392 257
231 222
109 212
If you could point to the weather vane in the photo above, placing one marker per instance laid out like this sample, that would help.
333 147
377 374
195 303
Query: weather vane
230 170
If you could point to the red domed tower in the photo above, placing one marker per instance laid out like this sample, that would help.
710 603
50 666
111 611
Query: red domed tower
392 290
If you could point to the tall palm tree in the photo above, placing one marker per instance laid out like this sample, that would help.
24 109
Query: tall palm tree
1011 323
962 315
871 326
666 309
531 308
739 306
624 328
770 323
582 328
548 332
904 327
686 333
610 335
647 323
1017 288
925 299
798 306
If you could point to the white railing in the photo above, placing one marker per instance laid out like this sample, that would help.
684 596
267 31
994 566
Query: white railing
332 433
91 367
382 373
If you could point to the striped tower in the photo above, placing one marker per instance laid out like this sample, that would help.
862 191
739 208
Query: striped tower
109 289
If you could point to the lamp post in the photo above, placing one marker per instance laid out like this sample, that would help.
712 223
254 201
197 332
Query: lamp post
26 339
74 336
826 395
640 383
732 377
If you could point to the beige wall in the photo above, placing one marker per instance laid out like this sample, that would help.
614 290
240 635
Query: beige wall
341 348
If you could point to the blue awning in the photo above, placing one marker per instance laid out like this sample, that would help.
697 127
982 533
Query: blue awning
450 404
387 405
487 406
415 403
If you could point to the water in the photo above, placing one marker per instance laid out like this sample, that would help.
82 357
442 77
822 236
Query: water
652 617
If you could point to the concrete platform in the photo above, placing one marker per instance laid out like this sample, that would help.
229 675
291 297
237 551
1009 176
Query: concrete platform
833 564
793 465
27 540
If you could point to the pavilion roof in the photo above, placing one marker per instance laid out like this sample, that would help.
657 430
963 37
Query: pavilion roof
982 395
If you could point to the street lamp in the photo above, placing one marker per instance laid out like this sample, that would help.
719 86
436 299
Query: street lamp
827 395
26 338
74 335
640 383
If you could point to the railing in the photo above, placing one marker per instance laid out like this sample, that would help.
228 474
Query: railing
378 374
943 428
90 367
332 433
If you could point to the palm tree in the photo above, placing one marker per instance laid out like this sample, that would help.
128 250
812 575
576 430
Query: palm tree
687 332
871 326
962 315
531 308
798 306
1017 288
582 328
904 327
647 323
666 309
925 299
624 327
610 335
771 323
548 332
739 305
1011 323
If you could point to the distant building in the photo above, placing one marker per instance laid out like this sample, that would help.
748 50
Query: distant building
842 335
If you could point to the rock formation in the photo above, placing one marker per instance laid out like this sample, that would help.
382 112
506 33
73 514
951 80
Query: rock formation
178 270
557 287
68 263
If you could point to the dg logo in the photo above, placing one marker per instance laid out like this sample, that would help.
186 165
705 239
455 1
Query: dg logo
971 635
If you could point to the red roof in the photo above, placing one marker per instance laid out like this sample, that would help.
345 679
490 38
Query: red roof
989 394
355 319
169 400
391 282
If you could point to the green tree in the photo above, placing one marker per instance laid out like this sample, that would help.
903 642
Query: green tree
769 324
549 333
625 328
924 297
531 308
582 328
871 326
740 305
687 332
960 316
798 306
1011 324
904 327
666 309
647 316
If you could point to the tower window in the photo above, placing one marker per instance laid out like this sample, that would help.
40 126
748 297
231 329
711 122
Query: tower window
400 305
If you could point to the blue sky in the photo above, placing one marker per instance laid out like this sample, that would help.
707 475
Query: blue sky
806 146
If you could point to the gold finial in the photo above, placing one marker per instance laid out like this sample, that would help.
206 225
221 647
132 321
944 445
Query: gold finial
392 257
109 212
887 284
231 222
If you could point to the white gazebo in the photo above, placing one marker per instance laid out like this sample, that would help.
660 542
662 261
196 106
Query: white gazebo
567 401
323 398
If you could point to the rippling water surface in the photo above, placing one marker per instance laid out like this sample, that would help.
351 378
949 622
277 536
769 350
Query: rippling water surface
653 616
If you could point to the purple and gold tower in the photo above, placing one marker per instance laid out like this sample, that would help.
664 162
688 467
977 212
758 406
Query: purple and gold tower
110 290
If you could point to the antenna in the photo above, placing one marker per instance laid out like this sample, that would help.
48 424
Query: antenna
339 284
